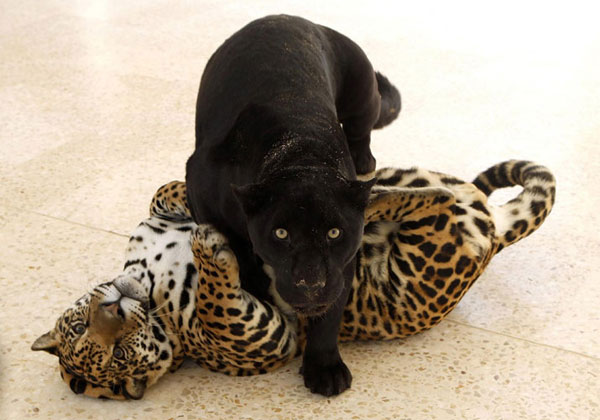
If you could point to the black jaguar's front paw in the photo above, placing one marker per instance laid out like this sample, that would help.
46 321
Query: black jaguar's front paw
326 379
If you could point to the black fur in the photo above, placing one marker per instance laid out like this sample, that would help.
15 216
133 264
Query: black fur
283 121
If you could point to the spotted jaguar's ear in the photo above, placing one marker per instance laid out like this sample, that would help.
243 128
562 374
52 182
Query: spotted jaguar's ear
252 197
46 342
134 388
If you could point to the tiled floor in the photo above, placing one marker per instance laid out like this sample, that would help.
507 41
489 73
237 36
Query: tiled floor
97 110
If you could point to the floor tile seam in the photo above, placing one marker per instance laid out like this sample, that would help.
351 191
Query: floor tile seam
72 222
526 340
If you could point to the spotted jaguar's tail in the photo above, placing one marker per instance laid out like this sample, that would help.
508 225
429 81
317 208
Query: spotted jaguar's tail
390 101
522 215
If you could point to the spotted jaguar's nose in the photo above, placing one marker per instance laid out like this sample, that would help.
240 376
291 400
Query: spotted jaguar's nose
114 309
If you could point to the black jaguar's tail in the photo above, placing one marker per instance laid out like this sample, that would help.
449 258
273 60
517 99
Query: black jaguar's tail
522 215
390 101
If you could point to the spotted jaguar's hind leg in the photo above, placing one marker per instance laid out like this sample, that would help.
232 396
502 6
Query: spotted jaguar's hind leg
248 336
170 202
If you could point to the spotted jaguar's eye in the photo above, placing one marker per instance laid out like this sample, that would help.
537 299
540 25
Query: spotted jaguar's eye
334 233
119 353
79 328
281 233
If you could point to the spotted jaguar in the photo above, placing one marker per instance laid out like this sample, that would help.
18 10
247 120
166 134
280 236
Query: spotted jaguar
427 237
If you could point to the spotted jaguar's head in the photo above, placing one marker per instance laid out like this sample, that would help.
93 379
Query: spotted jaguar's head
108 344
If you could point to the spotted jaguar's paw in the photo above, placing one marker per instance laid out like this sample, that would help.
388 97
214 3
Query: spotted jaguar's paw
210 248
170 202
208 240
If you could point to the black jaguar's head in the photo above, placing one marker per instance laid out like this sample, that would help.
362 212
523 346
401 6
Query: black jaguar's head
307 225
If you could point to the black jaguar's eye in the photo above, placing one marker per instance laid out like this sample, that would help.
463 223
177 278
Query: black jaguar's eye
119 353
79 328
334 233
281 234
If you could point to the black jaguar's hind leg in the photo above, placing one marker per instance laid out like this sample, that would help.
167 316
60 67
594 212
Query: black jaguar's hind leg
366 100
358 111
358 135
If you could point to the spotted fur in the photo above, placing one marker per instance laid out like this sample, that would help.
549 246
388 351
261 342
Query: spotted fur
428 237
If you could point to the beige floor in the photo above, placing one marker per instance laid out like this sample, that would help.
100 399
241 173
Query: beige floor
96 111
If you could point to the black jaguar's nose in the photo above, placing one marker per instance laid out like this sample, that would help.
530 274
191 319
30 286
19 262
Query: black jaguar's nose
303 284
310 289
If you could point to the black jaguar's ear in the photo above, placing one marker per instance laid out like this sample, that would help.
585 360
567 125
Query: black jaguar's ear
46 342
359 193
252 197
